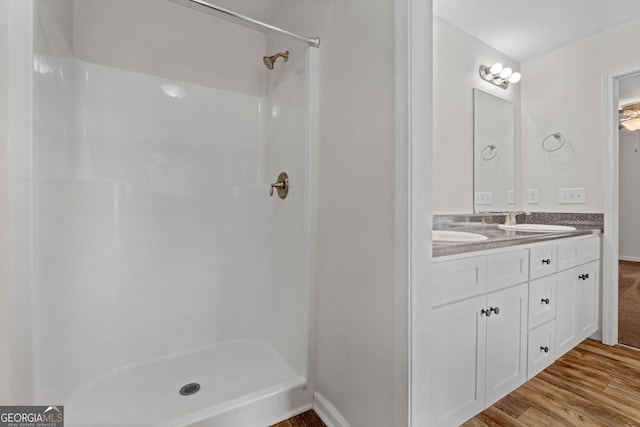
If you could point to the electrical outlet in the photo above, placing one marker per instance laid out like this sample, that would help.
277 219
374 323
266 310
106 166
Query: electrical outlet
533 197
572 195
484 198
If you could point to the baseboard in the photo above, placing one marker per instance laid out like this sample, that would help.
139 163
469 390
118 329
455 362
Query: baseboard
327 412
628 258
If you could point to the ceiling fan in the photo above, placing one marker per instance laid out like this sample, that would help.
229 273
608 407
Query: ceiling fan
631 119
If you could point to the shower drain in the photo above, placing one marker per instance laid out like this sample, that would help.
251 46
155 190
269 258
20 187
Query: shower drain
189 389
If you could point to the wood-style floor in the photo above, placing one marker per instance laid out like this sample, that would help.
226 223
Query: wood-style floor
591 385
629 303
307 419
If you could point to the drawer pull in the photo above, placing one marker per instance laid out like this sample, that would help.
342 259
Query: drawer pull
546 261
486 312
545 349
496 310
583 276
545 301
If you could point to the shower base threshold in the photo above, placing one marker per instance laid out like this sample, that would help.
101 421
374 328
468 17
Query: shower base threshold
236 383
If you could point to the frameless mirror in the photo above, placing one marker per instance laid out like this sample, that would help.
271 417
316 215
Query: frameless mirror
493 147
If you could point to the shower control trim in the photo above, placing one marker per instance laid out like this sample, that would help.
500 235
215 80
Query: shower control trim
282 185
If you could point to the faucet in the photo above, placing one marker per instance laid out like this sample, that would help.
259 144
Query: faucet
510 217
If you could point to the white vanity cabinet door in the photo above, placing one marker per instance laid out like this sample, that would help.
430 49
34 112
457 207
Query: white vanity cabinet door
458 279
506 342
542 300
576 252
542 261
577 309
587 299
541 348
459 360
506 269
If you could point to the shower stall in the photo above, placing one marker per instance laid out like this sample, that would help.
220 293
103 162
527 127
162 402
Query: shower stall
168 287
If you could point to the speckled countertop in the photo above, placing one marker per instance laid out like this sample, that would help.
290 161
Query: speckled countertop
585 224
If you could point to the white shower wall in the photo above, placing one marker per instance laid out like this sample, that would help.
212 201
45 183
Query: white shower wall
155 233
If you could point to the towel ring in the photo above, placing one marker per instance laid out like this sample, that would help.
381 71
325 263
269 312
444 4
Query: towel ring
489 155
558 137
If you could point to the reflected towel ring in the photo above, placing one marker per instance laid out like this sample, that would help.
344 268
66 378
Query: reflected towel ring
557 137
489 155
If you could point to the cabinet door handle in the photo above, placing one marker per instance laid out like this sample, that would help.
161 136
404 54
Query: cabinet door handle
583 276
545 301
496 310
486 312
545 349
546 261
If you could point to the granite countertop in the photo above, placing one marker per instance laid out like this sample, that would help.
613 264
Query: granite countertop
498 238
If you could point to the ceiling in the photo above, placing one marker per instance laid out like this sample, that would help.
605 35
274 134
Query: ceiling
524 29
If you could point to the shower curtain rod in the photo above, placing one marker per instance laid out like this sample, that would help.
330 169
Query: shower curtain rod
311 41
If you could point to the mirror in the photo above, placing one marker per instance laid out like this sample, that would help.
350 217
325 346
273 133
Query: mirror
493 148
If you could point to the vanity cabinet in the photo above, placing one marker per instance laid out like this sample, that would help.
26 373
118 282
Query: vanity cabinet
577 312
484 337
502 317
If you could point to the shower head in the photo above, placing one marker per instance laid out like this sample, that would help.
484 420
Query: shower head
269 61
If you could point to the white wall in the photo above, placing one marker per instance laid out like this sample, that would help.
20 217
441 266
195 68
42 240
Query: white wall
169 40
456 59
629 244
563 91
5 336
356 224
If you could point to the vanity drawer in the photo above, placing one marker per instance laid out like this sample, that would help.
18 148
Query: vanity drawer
542 300
578 252
459 279
506 269
541 348
542 261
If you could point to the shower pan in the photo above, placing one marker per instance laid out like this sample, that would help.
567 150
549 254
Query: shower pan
169 289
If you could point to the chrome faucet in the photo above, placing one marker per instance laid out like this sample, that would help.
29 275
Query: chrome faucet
510 217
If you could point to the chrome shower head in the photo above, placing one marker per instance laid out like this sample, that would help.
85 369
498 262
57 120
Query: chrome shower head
269 61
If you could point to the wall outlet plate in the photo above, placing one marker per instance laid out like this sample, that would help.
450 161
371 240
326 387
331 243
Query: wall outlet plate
484 198
571 196
533 196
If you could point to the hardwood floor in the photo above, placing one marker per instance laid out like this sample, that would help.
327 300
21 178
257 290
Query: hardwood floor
591 385
307 419
629 303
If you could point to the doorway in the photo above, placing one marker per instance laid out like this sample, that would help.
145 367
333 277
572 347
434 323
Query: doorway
629 212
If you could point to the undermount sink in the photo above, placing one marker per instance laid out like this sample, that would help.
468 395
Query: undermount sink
445 236
537 228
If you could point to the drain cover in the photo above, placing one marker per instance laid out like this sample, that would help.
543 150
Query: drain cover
189 389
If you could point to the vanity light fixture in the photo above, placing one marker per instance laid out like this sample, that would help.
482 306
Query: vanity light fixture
499 75
631 120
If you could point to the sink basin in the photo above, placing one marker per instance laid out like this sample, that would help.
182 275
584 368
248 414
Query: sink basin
537 228
445 236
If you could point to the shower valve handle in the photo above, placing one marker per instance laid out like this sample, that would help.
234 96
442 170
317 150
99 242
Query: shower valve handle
281 185
276 185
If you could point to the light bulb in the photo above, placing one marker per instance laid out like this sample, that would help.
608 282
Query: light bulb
495 68
632 124
515 77
505 73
